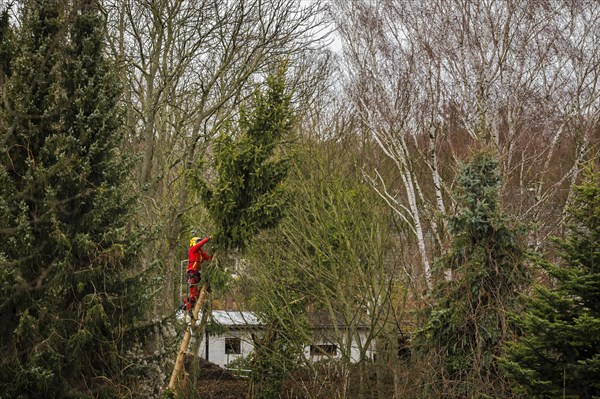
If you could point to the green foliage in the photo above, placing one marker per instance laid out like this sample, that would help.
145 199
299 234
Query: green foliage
219 277
6 46
558 354
249 193
278 351
325 255
467 324
168 394
69 284
276 354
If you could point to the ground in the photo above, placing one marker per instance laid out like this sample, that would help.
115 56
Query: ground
213 382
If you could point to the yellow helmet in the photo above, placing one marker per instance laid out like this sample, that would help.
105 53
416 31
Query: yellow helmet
194 241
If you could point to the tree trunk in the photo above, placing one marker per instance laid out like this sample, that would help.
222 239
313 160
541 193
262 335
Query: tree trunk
187 338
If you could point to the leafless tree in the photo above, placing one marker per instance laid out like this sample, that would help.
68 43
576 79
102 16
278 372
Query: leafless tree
432 79
188 64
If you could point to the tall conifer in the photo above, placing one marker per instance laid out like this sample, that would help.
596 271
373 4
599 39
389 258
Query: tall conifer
251 165
249 195
468 323
558 354
68 284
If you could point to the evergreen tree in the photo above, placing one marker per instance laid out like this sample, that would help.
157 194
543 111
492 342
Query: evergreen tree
249 195
68 287
251 165
467 324
558 354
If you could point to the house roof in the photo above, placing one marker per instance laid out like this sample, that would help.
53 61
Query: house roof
229 318
235 318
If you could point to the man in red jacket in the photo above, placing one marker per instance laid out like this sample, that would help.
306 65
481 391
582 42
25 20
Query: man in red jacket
195 258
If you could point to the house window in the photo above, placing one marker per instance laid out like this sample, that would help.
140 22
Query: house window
323 349
233 346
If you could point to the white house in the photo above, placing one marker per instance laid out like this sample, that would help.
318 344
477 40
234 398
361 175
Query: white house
236 340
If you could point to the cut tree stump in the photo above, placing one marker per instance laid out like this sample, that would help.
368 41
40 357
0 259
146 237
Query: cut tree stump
187 337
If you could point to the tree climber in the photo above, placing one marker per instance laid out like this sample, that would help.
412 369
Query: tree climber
196 256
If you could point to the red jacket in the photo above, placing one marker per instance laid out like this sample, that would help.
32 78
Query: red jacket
196 255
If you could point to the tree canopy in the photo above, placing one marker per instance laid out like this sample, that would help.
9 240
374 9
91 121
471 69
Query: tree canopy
251 164
70 284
